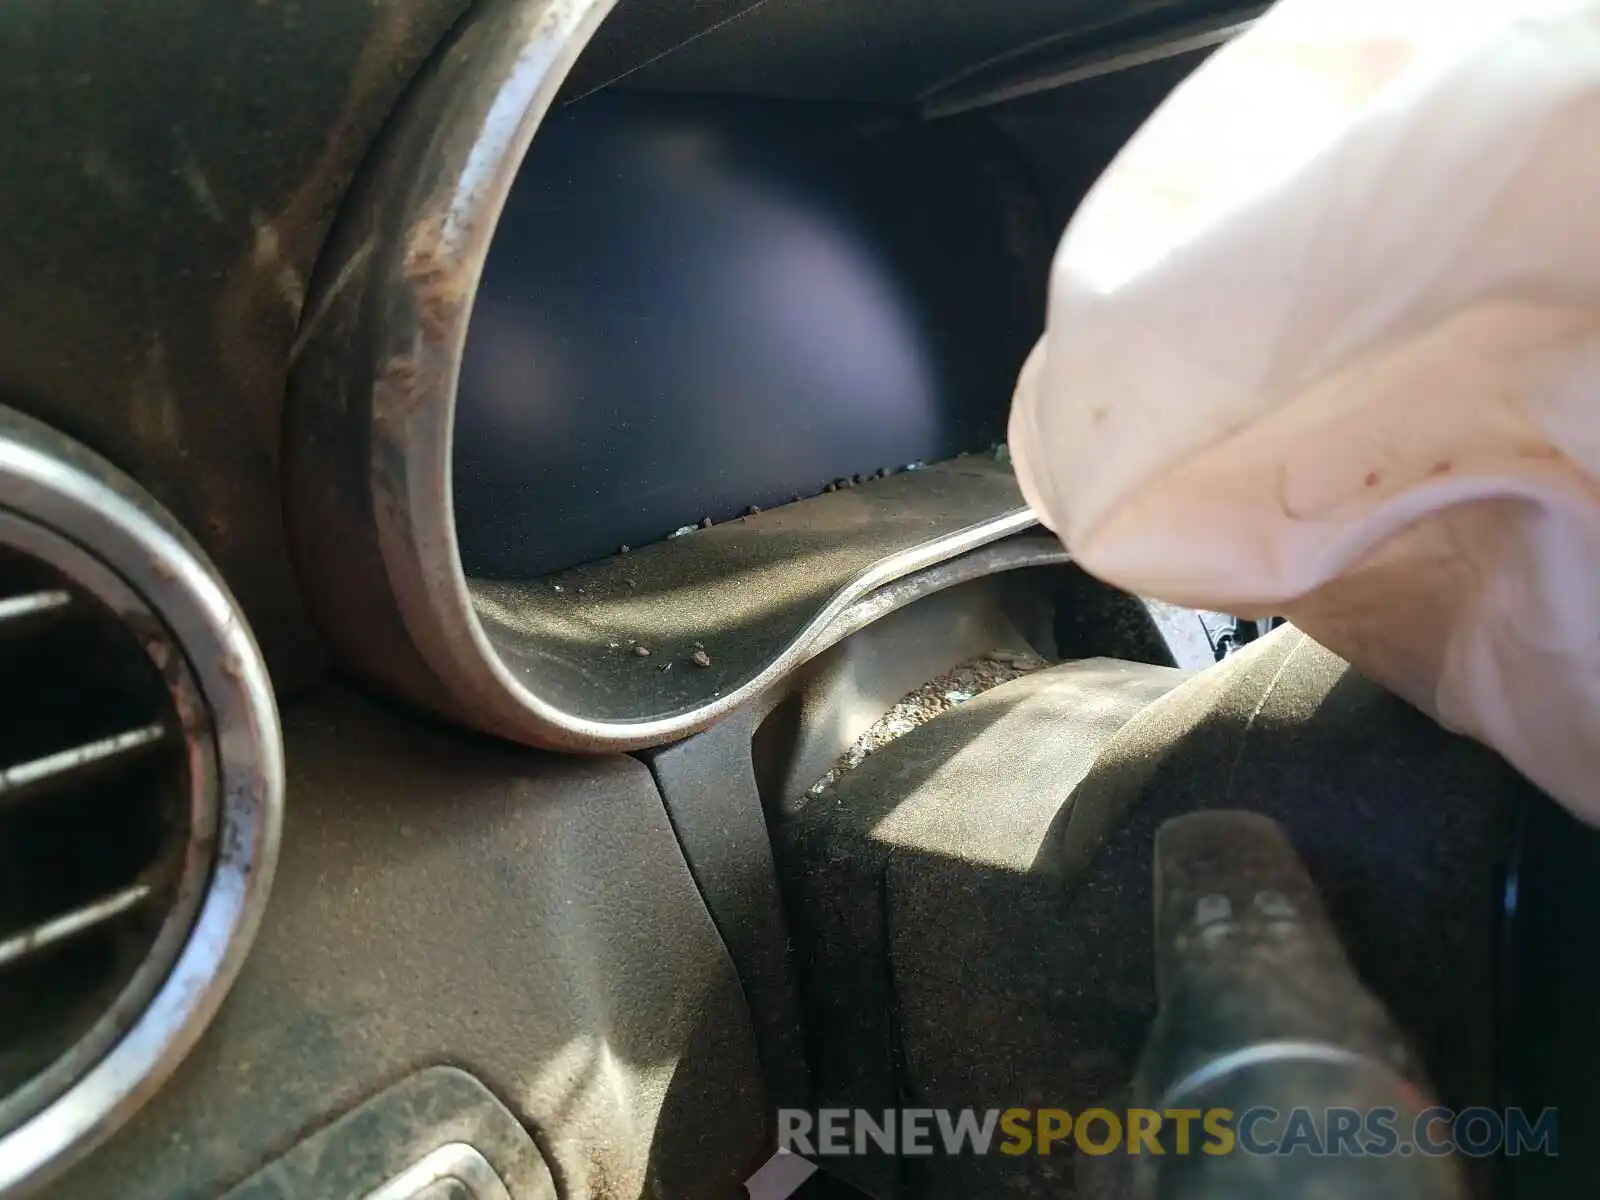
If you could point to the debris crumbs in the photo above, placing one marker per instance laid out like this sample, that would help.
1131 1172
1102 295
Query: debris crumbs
641 651
700 658
999 450
950 690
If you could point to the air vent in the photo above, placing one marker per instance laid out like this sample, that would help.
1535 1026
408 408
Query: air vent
97 808
140 795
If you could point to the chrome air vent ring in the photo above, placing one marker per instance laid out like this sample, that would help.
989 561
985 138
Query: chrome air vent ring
141 784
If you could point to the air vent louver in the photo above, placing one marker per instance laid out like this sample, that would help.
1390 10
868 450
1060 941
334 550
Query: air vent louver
140 796
96 809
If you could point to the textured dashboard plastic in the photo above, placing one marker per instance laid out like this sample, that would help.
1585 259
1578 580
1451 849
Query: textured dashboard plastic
526 917
440 1128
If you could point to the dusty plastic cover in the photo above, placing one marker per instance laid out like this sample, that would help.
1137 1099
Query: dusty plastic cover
1325 340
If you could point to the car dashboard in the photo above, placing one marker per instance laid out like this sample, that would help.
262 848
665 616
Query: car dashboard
497 457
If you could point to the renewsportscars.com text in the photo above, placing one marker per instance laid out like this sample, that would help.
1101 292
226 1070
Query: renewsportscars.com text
1476 1132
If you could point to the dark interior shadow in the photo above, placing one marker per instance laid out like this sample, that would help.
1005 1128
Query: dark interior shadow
941 967
1551 993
